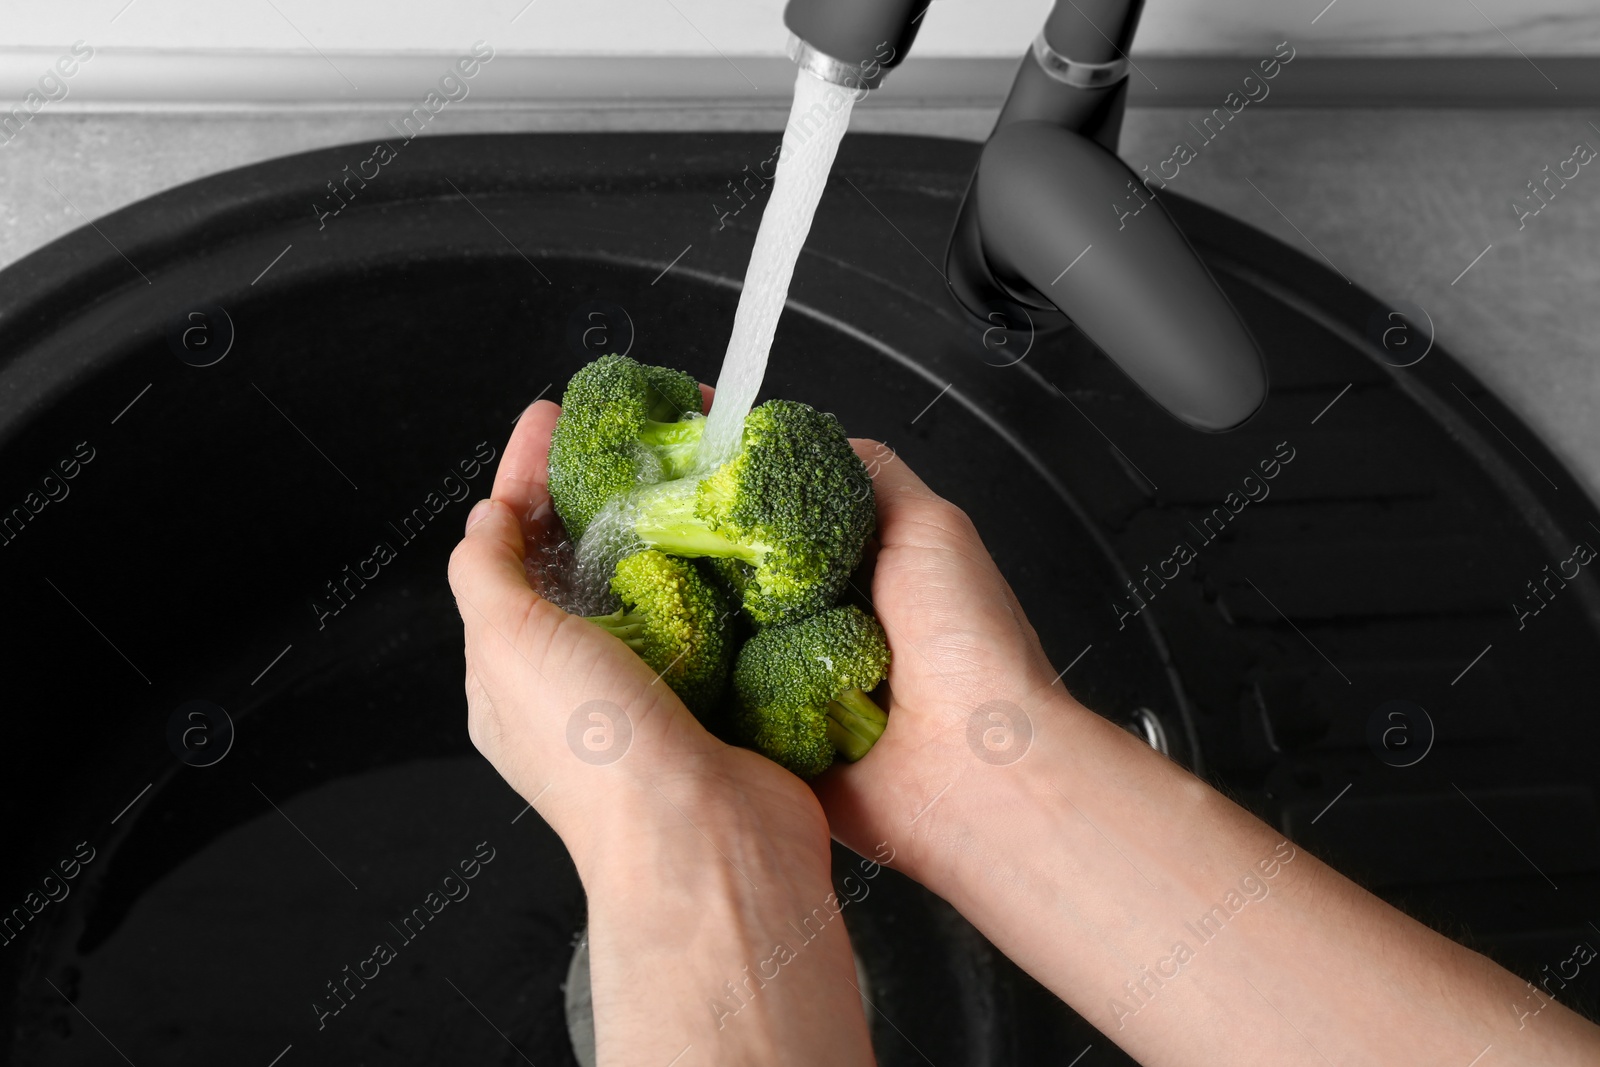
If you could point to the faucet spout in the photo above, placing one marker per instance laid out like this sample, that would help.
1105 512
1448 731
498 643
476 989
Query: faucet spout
1035 228
1061 222
852 43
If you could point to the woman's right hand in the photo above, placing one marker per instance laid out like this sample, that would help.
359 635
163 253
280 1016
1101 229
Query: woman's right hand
969 684
1088 858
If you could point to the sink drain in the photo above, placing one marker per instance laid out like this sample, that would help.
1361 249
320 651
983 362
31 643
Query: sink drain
579 1000
1147 727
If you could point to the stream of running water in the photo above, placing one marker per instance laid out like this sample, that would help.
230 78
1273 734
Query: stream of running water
818 119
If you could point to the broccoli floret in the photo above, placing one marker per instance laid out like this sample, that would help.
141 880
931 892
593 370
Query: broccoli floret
679 624
731 574
622 424
795 504
800 691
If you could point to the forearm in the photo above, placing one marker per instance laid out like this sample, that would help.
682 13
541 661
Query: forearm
709 936
1192 933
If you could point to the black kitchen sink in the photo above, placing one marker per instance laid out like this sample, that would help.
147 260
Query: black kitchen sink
238 722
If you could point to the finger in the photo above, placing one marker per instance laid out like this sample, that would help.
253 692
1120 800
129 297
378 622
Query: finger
912 517
522 479
901 495
890 475
488 577
847 796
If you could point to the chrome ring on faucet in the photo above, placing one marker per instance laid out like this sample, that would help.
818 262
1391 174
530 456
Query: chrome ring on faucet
1078 75
819 64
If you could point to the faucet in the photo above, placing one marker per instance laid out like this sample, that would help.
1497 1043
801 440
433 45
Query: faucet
1052 220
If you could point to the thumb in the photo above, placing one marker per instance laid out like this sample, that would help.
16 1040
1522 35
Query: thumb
487 573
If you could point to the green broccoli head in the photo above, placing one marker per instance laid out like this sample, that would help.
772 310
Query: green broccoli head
622 424
800 691
732 575
795 504
680 624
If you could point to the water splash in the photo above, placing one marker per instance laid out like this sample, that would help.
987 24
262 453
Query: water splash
578 577
817 122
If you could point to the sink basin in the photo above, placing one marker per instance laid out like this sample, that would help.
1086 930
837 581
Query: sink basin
251 716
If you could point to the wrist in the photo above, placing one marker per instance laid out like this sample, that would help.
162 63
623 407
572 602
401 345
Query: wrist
712 923
1000 804
673 827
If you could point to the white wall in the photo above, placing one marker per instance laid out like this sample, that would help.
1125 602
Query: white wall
753 27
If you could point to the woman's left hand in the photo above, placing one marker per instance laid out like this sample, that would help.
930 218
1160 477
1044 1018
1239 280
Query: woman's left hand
696 855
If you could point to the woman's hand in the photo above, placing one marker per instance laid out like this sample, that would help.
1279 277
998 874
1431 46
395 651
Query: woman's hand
697 857
1187 930
571 718
969 686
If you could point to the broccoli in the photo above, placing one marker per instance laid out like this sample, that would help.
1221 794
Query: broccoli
732 575
800 691
622 424
678 623
794 504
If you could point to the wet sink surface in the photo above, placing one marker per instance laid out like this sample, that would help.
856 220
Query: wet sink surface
373 367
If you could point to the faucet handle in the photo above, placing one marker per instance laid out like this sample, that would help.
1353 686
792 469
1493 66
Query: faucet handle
1062 222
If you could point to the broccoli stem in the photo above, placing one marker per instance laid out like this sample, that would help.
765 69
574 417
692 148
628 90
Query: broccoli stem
674 444
623 625
855 723
666 521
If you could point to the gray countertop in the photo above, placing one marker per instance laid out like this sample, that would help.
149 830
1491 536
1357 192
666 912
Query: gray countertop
1400 201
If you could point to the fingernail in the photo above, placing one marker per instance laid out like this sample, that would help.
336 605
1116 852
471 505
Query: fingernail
475 516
